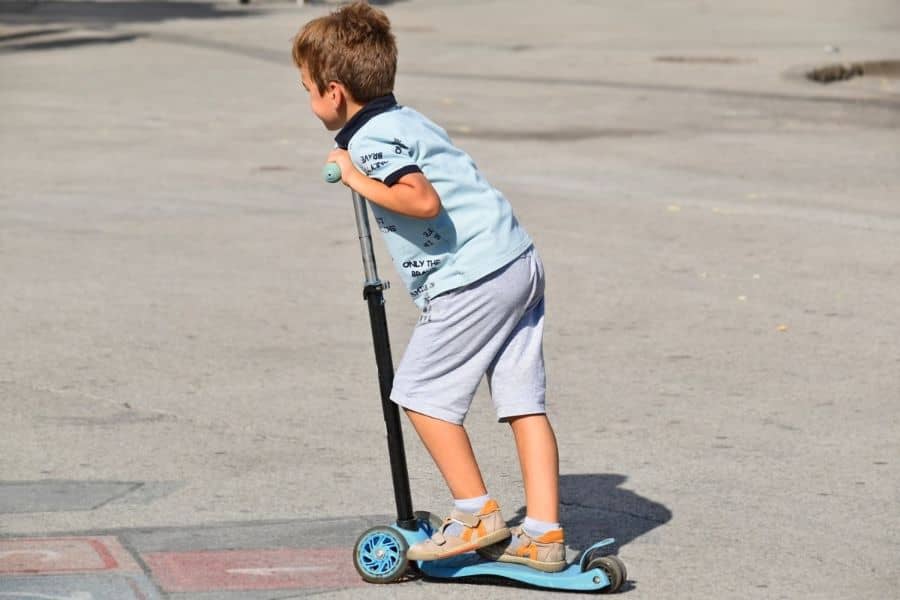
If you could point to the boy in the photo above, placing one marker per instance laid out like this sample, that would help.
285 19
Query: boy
468 265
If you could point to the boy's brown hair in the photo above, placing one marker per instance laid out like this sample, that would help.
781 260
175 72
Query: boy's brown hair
353 46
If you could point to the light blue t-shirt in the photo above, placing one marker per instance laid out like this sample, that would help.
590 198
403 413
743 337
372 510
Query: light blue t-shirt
475 233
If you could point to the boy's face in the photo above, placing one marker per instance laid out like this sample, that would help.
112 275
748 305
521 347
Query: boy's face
325 106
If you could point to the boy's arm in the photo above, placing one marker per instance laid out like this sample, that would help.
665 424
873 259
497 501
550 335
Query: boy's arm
412 195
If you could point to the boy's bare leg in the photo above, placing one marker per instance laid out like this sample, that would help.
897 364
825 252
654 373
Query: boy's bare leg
451 450
539 459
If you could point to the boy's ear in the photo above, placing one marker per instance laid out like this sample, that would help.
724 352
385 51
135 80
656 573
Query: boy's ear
337 93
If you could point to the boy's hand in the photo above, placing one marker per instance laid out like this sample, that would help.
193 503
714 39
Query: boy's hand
348 169
412 195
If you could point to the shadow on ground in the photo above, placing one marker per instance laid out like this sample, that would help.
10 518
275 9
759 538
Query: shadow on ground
594 507
84 12
55 44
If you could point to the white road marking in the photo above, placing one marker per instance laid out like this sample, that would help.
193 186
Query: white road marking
267 571
46 555
74 596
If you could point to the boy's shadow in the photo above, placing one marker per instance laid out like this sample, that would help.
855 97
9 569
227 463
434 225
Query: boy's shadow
594 507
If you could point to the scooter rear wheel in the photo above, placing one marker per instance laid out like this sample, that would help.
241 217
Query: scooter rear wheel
614 569
380 555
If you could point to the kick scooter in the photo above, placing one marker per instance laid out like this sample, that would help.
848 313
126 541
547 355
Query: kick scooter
380 552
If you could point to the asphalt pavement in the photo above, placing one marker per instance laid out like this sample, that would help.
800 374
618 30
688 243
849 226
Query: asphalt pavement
187 384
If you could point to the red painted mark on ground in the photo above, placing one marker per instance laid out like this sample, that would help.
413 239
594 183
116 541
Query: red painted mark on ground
287 568
64 555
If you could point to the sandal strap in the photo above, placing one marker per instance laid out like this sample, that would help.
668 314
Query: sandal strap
469 520
520 533
464 519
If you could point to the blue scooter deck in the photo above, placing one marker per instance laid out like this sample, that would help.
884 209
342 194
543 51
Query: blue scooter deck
572 578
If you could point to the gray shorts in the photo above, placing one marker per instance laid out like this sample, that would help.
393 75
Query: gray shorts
492 327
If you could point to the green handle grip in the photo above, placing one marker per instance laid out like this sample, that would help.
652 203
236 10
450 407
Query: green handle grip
331 172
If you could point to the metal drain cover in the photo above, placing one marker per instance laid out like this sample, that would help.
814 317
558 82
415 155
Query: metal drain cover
886 69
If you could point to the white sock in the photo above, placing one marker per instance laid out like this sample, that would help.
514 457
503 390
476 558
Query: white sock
471 505
537 528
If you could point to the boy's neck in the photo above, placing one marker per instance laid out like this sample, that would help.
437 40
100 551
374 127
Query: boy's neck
353 107
357 114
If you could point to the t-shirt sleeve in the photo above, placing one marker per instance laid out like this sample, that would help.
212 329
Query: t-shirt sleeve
384 158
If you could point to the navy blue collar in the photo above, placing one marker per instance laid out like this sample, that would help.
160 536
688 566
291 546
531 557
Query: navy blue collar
372 108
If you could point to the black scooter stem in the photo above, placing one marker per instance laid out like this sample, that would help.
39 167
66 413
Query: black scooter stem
373 293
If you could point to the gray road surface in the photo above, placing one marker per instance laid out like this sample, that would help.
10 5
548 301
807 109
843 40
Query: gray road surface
183 342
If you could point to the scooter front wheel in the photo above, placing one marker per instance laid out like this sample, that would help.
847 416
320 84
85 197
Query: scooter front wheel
380 555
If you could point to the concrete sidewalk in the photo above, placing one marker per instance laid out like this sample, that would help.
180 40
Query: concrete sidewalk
186 373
